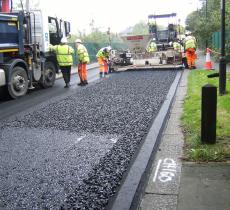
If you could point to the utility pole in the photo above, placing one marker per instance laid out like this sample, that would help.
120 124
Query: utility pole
206 18
108 33
222 64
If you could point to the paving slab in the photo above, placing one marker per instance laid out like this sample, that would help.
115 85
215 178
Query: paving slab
159 202
165 175
205 186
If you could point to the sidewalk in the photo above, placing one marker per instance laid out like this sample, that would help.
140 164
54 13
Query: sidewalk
74 69
177 185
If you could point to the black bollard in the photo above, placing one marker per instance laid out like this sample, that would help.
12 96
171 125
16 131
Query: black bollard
208 114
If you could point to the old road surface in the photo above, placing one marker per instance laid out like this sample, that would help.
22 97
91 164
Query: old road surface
72 148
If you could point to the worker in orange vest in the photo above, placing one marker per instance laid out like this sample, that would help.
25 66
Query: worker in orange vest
103 60
83 60
190 49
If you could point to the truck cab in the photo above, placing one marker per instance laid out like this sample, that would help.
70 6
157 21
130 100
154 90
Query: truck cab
25 57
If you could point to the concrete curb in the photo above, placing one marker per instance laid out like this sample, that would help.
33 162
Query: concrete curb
130 191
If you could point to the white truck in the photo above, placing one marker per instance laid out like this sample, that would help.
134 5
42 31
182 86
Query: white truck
25 57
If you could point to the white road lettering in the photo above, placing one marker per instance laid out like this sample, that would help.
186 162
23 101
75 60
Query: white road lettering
165 170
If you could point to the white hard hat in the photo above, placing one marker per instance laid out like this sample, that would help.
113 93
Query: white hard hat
153 39
188 33
64 40
78 41
109 48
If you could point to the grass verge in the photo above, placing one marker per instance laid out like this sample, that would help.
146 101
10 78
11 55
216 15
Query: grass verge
194 150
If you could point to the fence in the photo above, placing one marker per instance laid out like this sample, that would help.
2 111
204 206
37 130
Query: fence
216 36
93 48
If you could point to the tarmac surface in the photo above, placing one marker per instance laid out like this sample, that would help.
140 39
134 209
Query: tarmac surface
178 185
174 184
54 162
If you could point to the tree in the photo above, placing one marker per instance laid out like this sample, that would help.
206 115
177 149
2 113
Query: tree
140 28
204 23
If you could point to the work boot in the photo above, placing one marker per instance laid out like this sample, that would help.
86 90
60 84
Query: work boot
86 82
80 83
100 74
67 85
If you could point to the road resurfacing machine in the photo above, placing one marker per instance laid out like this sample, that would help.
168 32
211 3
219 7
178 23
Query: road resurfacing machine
165 57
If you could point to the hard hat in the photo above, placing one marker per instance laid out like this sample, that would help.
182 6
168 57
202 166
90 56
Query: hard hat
78 41
64 40
109 48
153 39
188 33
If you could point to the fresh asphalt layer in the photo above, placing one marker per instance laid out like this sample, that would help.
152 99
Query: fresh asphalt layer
58 136
40 95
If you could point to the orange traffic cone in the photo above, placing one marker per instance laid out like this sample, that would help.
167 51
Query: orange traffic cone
208 63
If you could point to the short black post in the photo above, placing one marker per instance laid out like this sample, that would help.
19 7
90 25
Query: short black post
208 114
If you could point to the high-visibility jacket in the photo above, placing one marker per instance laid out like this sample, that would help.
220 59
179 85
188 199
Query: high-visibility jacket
102 54
178 47
64 54
190 42
152 47
82 53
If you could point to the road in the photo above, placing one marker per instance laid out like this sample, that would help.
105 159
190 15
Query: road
71 148
10 107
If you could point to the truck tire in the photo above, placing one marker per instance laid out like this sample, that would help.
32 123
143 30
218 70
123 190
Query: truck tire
50 75
18 82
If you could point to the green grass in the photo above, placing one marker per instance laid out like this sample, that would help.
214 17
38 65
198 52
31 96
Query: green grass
194 150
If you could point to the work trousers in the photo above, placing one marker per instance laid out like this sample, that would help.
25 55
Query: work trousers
103 65
191 57
66 72
82 71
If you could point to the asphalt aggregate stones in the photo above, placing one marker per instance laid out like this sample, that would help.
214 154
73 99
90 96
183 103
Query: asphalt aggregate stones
72 153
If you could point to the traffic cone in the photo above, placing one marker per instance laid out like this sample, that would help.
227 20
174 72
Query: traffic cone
208 63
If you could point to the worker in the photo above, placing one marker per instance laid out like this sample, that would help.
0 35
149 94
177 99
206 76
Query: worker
83 60
65 59
190 50
152 47
103 60
178 47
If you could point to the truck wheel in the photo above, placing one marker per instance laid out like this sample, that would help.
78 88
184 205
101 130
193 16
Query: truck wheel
18 83
50 75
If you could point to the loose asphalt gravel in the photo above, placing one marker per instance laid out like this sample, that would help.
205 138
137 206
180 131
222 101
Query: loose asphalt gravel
72 153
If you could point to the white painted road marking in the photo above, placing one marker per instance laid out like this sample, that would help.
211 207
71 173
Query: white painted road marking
167 172
157 169
79 139
114 140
